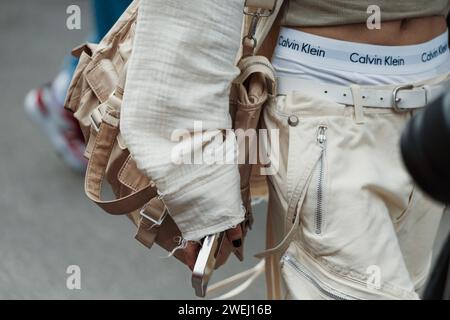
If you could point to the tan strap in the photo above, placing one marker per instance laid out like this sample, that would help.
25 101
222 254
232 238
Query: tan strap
261 4
269 261
257 64
249 66
88 48
120 87
95 174
266 25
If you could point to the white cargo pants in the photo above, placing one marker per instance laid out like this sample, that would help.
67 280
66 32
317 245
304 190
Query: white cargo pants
365 230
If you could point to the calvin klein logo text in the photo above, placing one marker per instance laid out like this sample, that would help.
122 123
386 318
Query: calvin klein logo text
375 60
302 47
432 54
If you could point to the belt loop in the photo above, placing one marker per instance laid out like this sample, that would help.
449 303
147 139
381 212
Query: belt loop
358 104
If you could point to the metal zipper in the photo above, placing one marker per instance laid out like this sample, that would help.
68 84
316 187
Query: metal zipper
333 294
318 217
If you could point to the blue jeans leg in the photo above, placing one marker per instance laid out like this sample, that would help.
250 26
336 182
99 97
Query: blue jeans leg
106 13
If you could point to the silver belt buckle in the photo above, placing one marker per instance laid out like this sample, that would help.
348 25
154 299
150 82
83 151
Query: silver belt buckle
396 99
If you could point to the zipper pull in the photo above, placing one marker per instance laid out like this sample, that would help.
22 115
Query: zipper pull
322 135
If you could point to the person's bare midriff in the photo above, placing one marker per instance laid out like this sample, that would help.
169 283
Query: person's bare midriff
392 33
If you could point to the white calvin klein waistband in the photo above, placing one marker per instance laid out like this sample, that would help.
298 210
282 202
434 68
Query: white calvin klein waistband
358 57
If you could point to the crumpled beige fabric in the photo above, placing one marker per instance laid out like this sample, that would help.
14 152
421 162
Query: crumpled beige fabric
180 72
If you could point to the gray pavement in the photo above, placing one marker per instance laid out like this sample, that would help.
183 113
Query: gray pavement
46 223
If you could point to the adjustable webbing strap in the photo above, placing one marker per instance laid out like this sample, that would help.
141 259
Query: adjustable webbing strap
273 289
105 121
259 16
259 25
96 170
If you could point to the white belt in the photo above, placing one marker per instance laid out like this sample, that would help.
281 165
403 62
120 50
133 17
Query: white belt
401 97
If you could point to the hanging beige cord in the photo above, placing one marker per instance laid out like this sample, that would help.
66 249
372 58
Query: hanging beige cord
250 275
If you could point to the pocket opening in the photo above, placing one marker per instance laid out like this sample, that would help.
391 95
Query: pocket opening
323 288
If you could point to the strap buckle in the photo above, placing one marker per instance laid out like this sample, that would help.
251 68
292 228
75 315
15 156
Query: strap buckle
112 104
396 99
96 119
256 16
155 222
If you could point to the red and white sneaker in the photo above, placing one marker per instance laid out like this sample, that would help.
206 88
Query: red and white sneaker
46 109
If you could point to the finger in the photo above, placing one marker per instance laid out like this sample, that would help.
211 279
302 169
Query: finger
235 236
225 250
190 254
